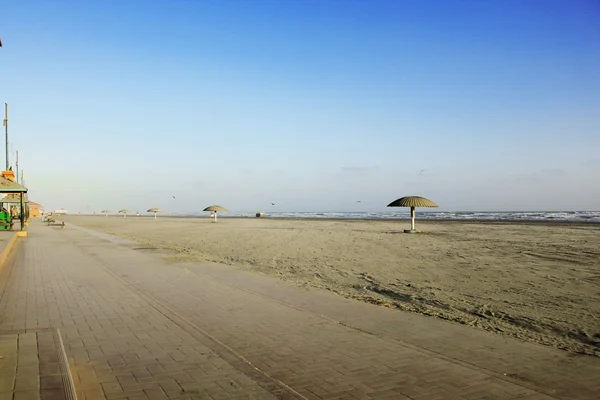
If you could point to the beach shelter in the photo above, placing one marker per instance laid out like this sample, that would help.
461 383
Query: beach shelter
105 212
17 194
214 209
154 210
124 212
12 203
412 202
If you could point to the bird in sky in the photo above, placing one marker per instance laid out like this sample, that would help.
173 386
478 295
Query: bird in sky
173 196
358 201
272 204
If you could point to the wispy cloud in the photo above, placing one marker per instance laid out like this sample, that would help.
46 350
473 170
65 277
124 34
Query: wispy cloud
542 175
592 163
360 169
553 172
200 183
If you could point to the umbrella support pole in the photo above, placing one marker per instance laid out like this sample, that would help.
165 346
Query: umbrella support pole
412 221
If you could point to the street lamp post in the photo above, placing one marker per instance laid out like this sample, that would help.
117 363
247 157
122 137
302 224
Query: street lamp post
5 123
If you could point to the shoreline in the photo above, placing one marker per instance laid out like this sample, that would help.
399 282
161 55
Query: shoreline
382 220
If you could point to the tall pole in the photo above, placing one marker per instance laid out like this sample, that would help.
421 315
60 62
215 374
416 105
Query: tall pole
6 131
22 214
17 166
5 123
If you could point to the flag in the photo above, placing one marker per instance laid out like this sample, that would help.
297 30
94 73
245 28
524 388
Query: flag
3 122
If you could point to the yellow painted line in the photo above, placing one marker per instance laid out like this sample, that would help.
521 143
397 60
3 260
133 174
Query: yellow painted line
6 251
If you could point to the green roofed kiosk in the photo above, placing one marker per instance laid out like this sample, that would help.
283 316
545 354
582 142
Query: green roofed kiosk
16 195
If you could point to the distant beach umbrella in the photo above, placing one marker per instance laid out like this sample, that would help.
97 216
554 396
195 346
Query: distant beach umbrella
155 210
214 209
105 212
412 202
124 212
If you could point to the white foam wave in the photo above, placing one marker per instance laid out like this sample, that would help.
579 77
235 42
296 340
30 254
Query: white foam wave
573 216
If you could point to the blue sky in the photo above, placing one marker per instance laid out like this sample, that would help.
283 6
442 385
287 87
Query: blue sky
313 105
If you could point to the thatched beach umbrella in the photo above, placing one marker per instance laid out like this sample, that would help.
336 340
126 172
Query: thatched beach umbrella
412 202
214 209
124 212
155 210
105 212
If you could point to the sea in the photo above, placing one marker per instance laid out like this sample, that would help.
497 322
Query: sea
556 216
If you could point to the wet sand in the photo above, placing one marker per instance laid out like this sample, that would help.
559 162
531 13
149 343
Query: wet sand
538 282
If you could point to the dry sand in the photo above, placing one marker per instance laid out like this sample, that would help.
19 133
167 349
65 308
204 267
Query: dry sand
538 282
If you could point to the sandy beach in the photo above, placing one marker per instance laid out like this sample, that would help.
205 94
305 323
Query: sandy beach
537 282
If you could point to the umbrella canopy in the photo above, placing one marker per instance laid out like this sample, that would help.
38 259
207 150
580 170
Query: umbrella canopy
412 202
105 212
215 208
8 186
14 198
124 212
154 210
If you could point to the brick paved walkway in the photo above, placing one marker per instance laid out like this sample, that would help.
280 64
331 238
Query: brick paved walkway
32 366
136 326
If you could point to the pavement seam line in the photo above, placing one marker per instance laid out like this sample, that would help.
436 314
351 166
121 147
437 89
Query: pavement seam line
429 352
464 364
68 382
157 304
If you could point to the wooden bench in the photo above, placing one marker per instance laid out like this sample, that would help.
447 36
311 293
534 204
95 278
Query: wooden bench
52 221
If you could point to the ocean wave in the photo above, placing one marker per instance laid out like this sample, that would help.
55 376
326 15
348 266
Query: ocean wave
573 216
